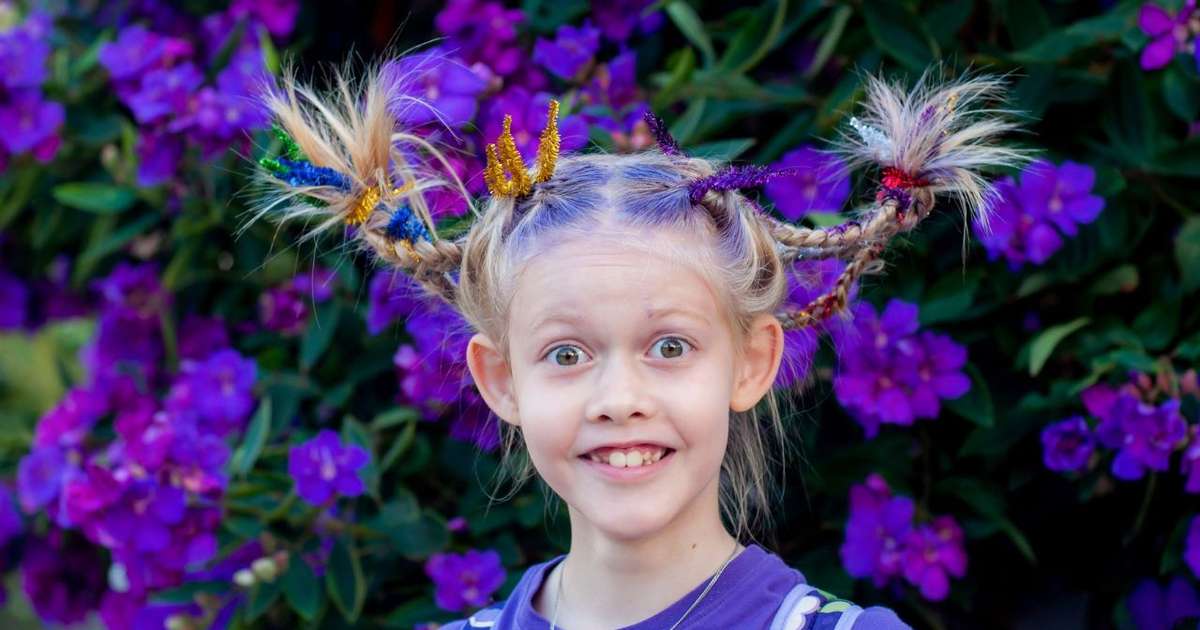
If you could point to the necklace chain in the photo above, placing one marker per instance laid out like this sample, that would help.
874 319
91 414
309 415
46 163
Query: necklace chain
562 569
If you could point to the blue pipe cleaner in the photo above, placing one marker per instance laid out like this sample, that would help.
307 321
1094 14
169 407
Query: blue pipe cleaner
405 226
304 173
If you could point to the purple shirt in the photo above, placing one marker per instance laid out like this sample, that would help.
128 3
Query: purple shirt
747 595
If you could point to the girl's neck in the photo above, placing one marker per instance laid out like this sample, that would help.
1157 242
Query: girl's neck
610 582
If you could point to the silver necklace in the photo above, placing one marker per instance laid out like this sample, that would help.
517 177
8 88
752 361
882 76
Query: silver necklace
558 595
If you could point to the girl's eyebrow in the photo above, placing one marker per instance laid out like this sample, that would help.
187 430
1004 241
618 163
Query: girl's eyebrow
657 313
575 319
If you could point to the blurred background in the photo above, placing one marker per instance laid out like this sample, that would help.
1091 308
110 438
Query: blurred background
203 428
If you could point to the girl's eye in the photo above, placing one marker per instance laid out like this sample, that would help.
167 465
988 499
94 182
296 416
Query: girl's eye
672 347
566 355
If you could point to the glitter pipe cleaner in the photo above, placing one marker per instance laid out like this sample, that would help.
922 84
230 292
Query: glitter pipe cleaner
734 178
666 142
505 173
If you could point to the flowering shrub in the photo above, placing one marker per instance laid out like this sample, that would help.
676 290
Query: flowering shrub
207 427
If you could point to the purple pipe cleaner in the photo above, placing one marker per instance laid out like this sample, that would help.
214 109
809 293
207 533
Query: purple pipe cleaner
666 143
733 178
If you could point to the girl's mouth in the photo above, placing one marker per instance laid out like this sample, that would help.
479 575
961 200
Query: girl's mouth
628 464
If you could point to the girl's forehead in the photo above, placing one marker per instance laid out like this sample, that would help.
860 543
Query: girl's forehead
611 281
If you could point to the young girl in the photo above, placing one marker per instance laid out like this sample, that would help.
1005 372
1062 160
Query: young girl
629 315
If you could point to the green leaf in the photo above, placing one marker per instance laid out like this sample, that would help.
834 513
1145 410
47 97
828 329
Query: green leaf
394 417
1058 45
186 593
899 33
686 125
755 39
1187 253
1157 324
1026 21
344 579
252 444
95 197
976 405
686 20
1182 96
829 41
301 588
1123 279
262 595
1043 345
319 334
949 297
421 538
722 150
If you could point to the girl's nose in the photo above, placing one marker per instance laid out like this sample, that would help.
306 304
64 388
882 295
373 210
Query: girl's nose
621 393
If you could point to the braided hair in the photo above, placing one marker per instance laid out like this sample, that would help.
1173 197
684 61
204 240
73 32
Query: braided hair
932 140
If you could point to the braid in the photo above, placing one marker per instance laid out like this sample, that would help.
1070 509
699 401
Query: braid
933 139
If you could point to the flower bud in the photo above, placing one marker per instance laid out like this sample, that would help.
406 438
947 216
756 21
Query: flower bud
244 578
265 569
179 622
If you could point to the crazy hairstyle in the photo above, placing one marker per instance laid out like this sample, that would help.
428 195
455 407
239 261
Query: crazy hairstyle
353 164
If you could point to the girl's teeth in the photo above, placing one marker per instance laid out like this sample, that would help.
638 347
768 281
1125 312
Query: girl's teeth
620 459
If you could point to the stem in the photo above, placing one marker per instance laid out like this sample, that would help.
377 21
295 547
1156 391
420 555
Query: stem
1141 515
932 619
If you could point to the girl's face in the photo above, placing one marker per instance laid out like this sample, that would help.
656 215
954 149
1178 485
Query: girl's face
611 344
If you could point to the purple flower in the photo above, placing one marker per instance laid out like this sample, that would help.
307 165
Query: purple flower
200 337
163 92
821 183
323 468
1153 607
133 292
135 50
431 86
466 579
483 32
876 530
932 554
68 423
279 16
1017 235
219 390
1144 434
1191 550
283 310
810 279
610 97
123 345
31 124
619 18
1169 35
159 155
318 283
14 302
1190 463
570 52
40 477
391 298
1067 445
24 51
63 577
528 113
473 422
1062 195
11 523
889 373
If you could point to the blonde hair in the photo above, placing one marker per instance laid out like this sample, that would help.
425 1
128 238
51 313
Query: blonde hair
938 135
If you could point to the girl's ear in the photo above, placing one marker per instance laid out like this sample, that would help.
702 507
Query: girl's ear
761 355
493 378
